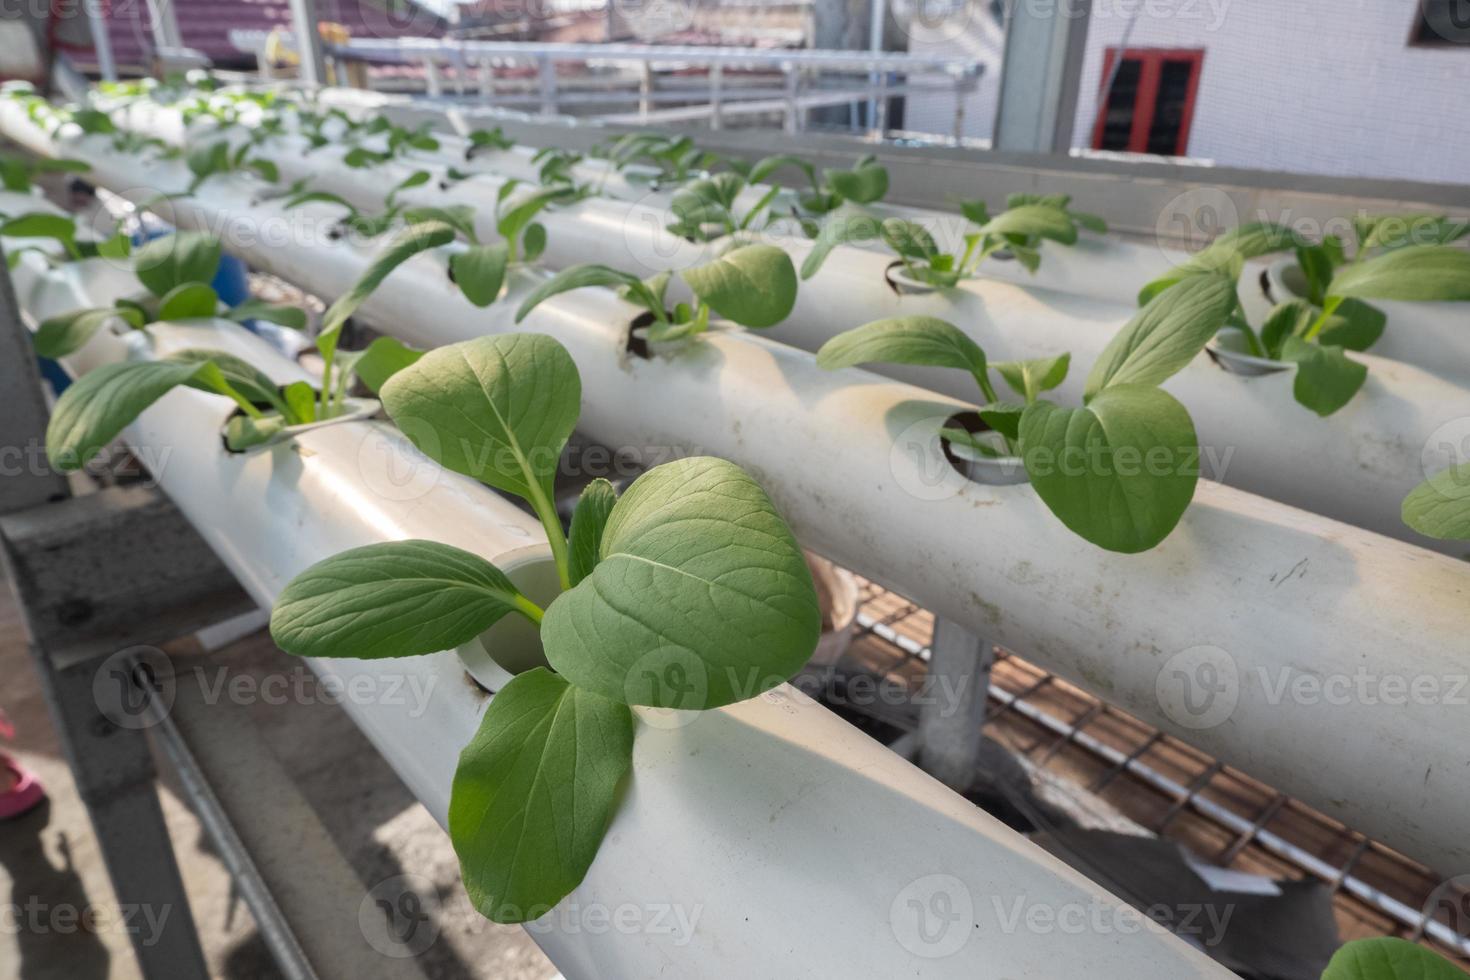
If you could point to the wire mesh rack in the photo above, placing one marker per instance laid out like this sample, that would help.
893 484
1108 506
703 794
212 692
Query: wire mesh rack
1161 783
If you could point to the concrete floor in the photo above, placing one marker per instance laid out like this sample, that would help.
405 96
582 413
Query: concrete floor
51 871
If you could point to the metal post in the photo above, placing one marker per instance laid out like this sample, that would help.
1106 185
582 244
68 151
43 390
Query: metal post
101 40
308 42
165 24
487 81
432 79
878 13
793 93
546 72
23 422
645 90
952 719
1040 74
716 85
878 119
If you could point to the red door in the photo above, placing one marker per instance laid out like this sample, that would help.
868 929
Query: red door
1151 105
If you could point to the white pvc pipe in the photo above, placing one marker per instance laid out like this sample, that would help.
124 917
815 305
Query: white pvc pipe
1265 593
719 861
1356 466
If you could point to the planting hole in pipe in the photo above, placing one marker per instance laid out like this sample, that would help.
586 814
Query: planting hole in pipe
905 285
1228 354
998 471
352 410
513 645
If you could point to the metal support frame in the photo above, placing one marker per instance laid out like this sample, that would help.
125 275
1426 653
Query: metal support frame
308 42
101 40
1041 71
951 732
26 479
97 576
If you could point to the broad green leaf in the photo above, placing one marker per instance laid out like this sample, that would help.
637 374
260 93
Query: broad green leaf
41 224
240 374
976 212
1033 221
404 246
1208 262
301 399
393 599
1289 319
91 412
840 228
765 167
1326 379
1119 472
64 334
496 408
1354 325
115 246
1003 418
589 519
318 197
865 183
208 159
1091 222
382 359
702 596
514 221
533 242
1440 506
534 793
1031 378
185 256
909 239
479 271
188 300
1427 273
258 309
1165 335
754 285
922 340
460 217
1388 958
580 277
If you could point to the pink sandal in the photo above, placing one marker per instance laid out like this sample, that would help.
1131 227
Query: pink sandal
24 796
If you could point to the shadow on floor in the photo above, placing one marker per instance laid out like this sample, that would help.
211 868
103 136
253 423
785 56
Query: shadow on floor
54 922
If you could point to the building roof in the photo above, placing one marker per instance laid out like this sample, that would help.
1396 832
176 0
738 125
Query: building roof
205 25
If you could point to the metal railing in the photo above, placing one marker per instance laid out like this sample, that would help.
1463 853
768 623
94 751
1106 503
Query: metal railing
787 82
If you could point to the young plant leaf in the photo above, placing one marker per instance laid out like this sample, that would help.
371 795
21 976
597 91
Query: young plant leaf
42 224
701 597
1326 379
91 412
244 377
589 519
243 432
865 183
62 335
257 309
170 261
1030 378
1440 506
393 599
496 408
754 285
922 340
187 301
1165 335
841 227
1424 273
1033 221
1354 325
479 271
404 246
1120 471
534 793
582 276
382 359
1389 958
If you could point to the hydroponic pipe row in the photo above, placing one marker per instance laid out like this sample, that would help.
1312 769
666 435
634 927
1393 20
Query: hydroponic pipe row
1356 466
1264 592
1427 335
726 828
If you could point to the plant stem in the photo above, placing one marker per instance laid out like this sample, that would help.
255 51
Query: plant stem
244 403
1328 308
540 502
529 609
